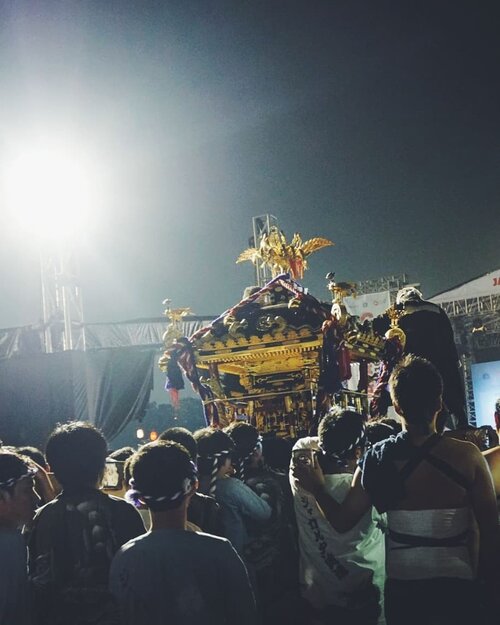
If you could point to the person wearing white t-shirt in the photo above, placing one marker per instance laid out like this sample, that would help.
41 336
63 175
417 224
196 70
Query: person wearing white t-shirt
341 575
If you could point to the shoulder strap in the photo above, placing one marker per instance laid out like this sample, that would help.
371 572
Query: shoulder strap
423 453
449 471
419 454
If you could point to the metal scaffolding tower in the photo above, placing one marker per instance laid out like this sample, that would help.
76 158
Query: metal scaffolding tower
477 327
386 283
62 306
262 225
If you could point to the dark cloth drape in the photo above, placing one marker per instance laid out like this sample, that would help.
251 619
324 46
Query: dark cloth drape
106 387
114 386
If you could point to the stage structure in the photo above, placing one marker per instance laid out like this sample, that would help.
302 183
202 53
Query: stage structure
389 284
262 226
473 308
62 305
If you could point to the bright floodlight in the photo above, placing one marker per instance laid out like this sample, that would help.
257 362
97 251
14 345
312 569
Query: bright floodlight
47 192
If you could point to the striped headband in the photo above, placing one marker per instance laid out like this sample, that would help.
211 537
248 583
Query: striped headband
13 480
340 455
219 454
135 496
258 446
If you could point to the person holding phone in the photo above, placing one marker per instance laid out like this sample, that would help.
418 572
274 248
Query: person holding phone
439 499
341 575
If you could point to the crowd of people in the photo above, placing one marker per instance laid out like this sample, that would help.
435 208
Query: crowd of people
367 523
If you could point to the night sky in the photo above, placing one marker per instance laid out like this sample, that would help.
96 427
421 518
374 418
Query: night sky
375 124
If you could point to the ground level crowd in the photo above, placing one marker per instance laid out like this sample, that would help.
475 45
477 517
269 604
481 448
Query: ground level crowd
366 523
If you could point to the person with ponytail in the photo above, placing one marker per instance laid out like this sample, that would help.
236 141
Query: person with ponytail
239 504
342 575
171 575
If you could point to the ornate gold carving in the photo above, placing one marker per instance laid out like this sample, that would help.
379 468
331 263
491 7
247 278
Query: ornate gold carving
395 331
283 257
174 328
339 290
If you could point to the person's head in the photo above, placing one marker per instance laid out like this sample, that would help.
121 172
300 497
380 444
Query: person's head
416 388
247 444
277 453
18 499
341 436
163 476
76 453
393 423
35 454
215 448
408 294
183 437
122 454
377 431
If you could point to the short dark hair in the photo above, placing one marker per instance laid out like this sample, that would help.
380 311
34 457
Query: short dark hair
12 468
76 453
247 440
122 454
182 436
244 436
159 471
416 387
210 443
277 452
340 432
34 453
377 431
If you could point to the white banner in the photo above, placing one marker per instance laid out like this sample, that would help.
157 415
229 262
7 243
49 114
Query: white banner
489 284
369 305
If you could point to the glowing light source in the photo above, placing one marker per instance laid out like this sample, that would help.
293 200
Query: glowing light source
47 191
153 435
140 433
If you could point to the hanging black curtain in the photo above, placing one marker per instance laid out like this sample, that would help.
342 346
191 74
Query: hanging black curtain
113 387
108 387
35 393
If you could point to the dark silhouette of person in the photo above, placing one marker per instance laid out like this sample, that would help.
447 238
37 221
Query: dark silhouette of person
429 334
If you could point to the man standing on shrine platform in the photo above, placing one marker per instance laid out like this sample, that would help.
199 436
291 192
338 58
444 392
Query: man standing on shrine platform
429 334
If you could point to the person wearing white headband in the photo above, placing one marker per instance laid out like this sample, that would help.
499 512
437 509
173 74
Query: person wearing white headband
342 575
171 575
239 504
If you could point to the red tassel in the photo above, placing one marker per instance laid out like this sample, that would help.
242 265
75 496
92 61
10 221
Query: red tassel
344 364
174 397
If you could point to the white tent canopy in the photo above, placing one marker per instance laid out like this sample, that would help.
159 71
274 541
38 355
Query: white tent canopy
488 284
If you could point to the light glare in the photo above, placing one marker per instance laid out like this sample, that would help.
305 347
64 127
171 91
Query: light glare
47 192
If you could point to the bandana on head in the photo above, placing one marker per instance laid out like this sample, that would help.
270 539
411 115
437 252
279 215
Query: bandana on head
13 480
340 456
137 497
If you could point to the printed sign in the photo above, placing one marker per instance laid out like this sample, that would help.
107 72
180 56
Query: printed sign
369 305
